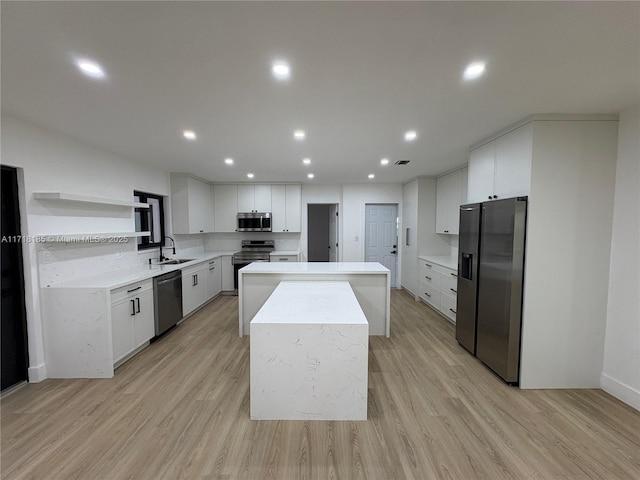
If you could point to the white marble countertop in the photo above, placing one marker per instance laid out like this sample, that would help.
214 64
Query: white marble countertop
443 260
285 252
315 267
311 303
120 278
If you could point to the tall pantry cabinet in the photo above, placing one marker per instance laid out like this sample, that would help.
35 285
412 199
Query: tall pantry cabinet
566 165
418 235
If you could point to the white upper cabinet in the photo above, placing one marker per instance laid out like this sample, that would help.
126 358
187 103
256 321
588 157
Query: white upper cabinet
501 168
286 206
513 162
254 198
226 207
191 205
451 193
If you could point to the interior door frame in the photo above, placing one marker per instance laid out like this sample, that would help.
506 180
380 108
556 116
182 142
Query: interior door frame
20 266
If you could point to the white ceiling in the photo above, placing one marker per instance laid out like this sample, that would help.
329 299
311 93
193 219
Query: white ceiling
362 74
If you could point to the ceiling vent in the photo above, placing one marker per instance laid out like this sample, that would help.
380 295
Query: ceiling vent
402 162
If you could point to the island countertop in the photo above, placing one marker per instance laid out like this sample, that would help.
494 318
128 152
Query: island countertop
305 268
370 282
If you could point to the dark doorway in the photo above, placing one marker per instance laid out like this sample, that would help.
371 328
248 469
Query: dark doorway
14 326
318 233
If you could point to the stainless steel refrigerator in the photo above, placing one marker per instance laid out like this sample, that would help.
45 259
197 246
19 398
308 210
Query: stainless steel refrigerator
490 282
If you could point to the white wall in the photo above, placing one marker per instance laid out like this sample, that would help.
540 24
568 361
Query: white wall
568 250
621 370
52 162
354 199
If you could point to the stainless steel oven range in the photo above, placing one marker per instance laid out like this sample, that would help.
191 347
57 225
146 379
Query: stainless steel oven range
252 251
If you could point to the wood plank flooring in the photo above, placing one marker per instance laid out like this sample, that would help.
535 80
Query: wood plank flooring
180 410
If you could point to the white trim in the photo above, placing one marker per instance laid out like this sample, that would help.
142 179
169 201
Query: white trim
621 391
37 373
71 197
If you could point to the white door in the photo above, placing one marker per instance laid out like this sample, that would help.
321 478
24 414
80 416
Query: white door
381 236
333 233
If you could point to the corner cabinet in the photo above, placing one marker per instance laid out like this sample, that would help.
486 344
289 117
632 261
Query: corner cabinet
451 193
191 205
501 168
286 206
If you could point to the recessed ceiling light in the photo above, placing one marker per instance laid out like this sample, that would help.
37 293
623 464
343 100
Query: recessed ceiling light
189 134
310 175
410 136
228 161
299 135
250 175
90 68
371 175
306 161
281 70
474 70
384 161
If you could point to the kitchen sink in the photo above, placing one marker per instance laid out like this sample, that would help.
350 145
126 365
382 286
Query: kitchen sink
177 261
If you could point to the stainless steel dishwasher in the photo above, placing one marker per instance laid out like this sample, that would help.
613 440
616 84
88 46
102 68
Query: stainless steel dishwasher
167 300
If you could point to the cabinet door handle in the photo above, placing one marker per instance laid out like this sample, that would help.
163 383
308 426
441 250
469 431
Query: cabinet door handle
406 237
453 290
138 302
489 197
427 265
133 307
454 312
454 274
134 289
427 294
283 259
212 268
428 278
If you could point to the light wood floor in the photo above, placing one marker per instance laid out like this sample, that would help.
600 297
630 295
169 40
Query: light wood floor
180 409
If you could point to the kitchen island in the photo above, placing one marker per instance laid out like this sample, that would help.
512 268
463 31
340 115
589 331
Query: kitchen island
309 354
370 282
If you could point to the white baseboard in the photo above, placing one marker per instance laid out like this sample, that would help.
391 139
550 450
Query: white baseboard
621 391
37 373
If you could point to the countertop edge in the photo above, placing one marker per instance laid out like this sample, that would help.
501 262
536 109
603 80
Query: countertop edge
446 261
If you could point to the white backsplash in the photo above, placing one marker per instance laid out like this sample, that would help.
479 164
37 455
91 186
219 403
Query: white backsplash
453 245
60 262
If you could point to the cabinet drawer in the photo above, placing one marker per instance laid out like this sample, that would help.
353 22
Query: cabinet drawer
132 290
448 306
283 258
449 283
429 295
429 277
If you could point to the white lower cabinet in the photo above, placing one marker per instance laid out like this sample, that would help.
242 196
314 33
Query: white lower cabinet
132 320
214 278
227 273
200 283
194 287
438 287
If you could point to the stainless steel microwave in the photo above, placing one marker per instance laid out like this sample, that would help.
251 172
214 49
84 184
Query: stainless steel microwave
254 222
